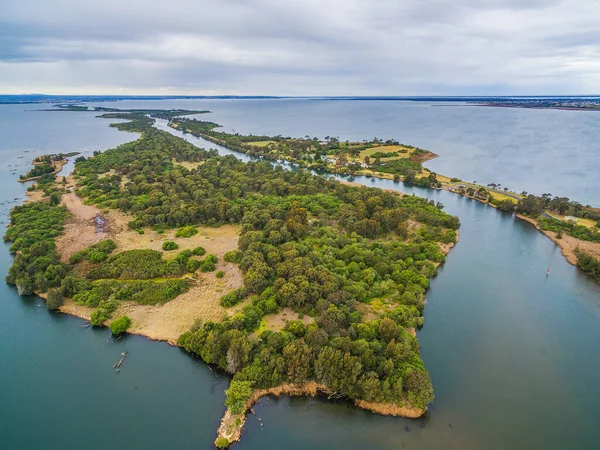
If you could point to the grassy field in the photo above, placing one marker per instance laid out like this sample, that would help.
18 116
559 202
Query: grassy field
502 197
387 149
261 143
580 221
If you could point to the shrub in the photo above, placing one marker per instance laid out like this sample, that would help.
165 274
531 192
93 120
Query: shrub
232 298
219 274
98 317
170 245
207 266
234 256
103 313
139 264
212 258
192 265
95 253
186 232
120 325
222 442
199 251
55 299
96 257
296 327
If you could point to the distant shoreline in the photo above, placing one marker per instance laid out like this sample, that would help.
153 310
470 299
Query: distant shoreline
524 106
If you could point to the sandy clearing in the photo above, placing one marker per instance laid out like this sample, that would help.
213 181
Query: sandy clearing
188 164
167 322
34 196
276 322
80 229
162 322
214 240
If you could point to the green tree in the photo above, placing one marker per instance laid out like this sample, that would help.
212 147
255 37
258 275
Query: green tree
54 300
120 325
237 396
170 245
388 329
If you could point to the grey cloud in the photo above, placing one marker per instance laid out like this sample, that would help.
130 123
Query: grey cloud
294 47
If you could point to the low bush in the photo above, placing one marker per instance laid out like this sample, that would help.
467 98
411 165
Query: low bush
222 442
233 256
207 266
170 245
186 232
120 325
232 298
103 313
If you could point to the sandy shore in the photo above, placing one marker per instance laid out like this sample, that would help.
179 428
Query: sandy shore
567 244
232 424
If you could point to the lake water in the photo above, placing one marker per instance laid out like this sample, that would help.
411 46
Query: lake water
512 353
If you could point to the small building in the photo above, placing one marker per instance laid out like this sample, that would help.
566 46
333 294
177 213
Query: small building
571 219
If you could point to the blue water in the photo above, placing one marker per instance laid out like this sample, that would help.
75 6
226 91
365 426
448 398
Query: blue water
512 353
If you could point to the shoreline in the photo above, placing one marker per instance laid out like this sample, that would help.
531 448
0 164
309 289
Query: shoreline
566 243
558 108
232 425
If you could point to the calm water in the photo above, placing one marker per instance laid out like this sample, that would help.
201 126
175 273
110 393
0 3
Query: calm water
512 353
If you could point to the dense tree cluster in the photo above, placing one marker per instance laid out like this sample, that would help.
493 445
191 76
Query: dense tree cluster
37 266
533 206
38 170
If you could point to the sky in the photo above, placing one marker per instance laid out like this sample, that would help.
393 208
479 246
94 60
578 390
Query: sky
300 47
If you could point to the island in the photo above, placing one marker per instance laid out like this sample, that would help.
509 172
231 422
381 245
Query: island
291 282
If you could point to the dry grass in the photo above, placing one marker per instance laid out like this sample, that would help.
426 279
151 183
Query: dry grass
260 143
168 321
35 196
502 197
189 165
387 149
580 221
80 229
276 322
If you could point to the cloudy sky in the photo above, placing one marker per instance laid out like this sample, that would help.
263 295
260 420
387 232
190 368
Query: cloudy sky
300 47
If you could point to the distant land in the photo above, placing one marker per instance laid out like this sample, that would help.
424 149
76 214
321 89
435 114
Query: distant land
571 102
